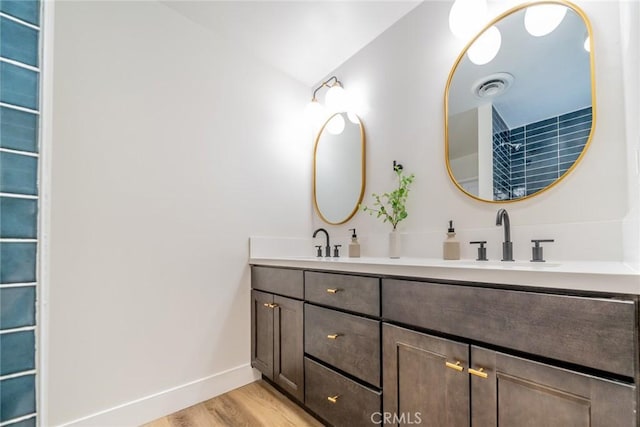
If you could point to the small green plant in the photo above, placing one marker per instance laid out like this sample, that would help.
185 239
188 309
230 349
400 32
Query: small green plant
391 207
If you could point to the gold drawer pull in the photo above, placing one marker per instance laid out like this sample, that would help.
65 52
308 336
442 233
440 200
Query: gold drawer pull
456 366
333 290
333 336
270 305
478 372
333 399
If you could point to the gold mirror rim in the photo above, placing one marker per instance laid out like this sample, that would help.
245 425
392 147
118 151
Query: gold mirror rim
362 177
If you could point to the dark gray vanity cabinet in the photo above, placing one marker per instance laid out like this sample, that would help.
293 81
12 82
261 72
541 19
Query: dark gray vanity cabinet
262 315
342 342
598 333
277 328
347 342
448 383
424 379
361 350
507 390
339 400
452 382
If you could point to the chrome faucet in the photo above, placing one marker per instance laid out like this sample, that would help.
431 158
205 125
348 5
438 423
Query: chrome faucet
507 245
328 247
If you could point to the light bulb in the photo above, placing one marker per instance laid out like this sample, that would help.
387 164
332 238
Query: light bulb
486 47
467 17
336 124
587 44
542 19
336 98
314 113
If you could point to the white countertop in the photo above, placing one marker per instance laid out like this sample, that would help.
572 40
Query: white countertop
610 277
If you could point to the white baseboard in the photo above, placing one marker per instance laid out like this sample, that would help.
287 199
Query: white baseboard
168 401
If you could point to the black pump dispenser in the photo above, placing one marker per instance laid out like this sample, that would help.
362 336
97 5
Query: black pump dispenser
451 229
353 235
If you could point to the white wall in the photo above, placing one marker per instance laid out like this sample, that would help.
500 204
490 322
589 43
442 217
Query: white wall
400 81
630 51
169 149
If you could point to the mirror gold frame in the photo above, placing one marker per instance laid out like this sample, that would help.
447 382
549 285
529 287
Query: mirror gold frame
509 12
347 177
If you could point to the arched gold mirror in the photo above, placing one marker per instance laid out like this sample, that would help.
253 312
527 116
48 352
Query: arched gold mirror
519 123
339 168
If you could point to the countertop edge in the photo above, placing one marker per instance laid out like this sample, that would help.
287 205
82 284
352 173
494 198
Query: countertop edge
605 277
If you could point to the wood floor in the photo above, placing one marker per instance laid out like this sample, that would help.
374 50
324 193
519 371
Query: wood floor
256 404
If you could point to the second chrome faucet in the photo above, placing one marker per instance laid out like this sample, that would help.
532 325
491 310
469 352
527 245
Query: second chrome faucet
507 246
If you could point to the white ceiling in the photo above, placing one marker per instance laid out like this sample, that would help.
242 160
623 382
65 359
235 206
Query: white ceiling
305 39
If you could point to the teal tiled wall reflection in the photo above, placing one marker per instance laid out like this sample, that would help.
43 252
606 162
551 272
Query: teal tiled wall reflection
25 10
18 42
17 262
30 422
547 149
17 397
18 130
18 174
17 307
18 218
19 134
17 352
18 86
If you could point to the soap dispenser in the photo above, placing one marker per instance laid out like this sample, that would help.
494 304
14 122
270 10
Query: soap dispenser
451 247
354 246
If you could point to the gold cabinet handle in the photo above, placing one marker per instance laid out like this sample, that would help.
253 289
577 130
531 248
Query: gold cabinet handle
455 366
266 304
333 336
333 290
273 305
478 372
333 399
270 305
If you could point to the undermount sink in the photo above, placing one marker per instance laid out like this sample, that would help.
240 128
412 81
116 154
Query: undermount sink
503 264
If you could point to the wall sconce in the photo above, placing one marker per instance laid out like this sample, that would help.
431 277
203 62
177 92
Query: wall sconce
336 100
467 17
542 19
486 47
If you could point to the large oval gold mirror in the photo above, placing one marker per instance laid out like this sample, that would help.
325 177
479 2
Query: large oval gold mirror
519 123
339 168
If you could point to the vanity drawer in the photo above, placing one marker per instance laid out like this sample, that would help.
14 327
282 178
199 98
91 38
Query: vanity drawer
281 281
593 332
351 405
350 343
354 293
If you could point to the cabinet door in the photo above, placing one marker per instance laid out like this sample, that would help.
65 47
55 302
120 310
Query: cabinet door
518 392
425 379
288 354
262 309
